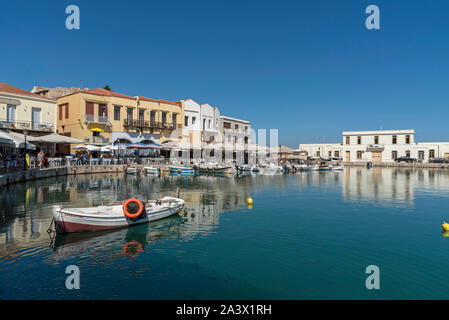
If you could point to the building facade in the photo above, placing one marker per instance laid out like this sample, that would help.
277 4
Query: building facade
22 111
378 146
235 131
210 123
102 117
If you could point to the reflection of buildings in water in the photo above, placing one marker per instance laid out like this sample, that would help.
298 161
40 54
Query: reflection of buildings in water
384 185
392 184
25 230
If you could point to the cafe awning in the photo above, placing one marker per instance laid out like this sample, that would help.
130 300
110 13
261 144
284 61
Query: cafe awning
4 139
56 138
87 147
18 140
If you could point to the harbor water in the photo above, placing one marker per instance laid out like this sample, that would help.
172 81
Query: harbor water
309 235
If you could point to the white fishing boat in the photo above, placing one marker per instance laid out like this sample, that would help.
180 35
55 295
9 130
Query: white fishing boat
114 215
271 168
131 170
248 168
215 168
337 167
152 170
308 167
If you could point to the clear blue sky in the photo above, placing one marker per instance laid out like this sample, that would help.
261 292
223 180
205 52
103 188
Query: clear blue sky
309 68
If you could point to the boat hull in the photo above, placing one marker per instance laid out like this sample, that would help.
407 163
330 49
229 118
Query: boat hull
68 221
224 170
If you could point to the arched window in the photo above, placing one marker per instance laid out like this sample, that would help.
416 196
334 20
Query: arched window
407 153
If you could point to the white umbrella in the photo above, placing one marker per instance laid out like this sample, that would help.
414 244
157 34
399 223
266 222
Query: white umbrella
56 138
88 147
106 149
18 140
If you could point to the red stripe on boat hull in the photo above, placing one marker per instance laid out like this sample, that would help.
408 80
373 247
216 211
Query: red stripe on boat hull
67 227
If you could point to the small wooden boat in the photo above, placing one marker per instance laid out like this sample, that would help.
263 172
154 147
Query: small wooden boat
248 168
131 170
152 170
323 167
115 215
337 167
215 168
182 169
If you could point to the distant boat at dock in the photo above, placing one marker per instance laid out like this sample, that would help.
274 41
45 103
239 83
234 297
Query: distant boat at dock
215 168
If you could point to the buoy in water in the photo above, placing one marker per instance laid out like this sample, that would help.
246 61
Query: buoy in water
250 206
445 226
250 202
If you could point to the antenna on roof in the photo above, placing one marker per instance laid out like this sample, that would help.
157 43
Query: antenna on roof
81 84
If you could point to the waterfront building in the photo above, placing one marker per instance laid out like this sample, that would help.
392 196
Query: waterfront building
210 123
25 112
235 131
102 117
201 122
154 120
378 146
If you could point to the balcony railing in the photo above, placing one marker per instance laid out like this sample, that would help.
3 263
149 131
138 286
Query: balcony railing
26 125
97 140
90 118
138 123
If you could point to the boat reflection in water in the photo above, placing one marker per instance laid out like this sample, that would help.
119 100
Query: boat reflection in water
130 241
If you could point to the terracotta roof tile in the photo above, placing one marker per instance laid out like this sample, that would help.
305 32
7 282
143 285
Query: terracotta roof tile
160 101
107 93
4 87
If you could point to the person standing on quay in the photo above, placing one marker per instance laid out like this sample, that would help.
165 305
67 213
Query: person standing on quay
40 159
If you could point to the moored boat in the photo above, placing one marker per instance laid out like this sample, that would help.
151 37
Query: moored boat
182 169
152 170
131 170
215 168
115 215
337 167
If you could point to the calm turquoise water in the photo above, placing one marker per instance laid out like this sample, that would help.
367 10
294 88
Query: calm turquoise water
308 236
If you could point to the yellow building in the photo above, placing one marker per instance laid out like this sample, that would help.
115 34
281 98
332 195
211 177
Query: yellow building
22 111
102 117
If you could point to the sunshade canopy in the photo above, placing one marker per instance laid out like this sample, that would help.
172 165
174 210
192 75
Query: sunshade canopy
18 140
88 147
56 138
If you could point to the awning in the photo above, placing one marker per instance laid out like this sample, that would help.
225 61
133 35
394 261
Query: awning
4 139
96 130
87 148
18 140
56 138
143 146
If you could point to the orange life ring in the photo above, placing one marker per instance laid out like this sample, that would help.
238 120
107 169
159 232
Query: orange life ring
132 215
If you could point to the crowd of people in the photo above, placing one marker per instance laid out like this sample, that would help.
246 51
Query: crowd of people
12 160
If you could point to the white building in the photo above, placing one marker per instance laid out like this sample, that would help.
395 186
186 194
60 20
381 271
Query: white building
378 146
210 123
201 122
192 115
21 110
235 131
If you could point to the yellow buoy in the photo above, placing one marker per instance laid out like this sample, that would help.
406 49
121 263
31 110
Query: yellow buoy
445 226
250 201
250 206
